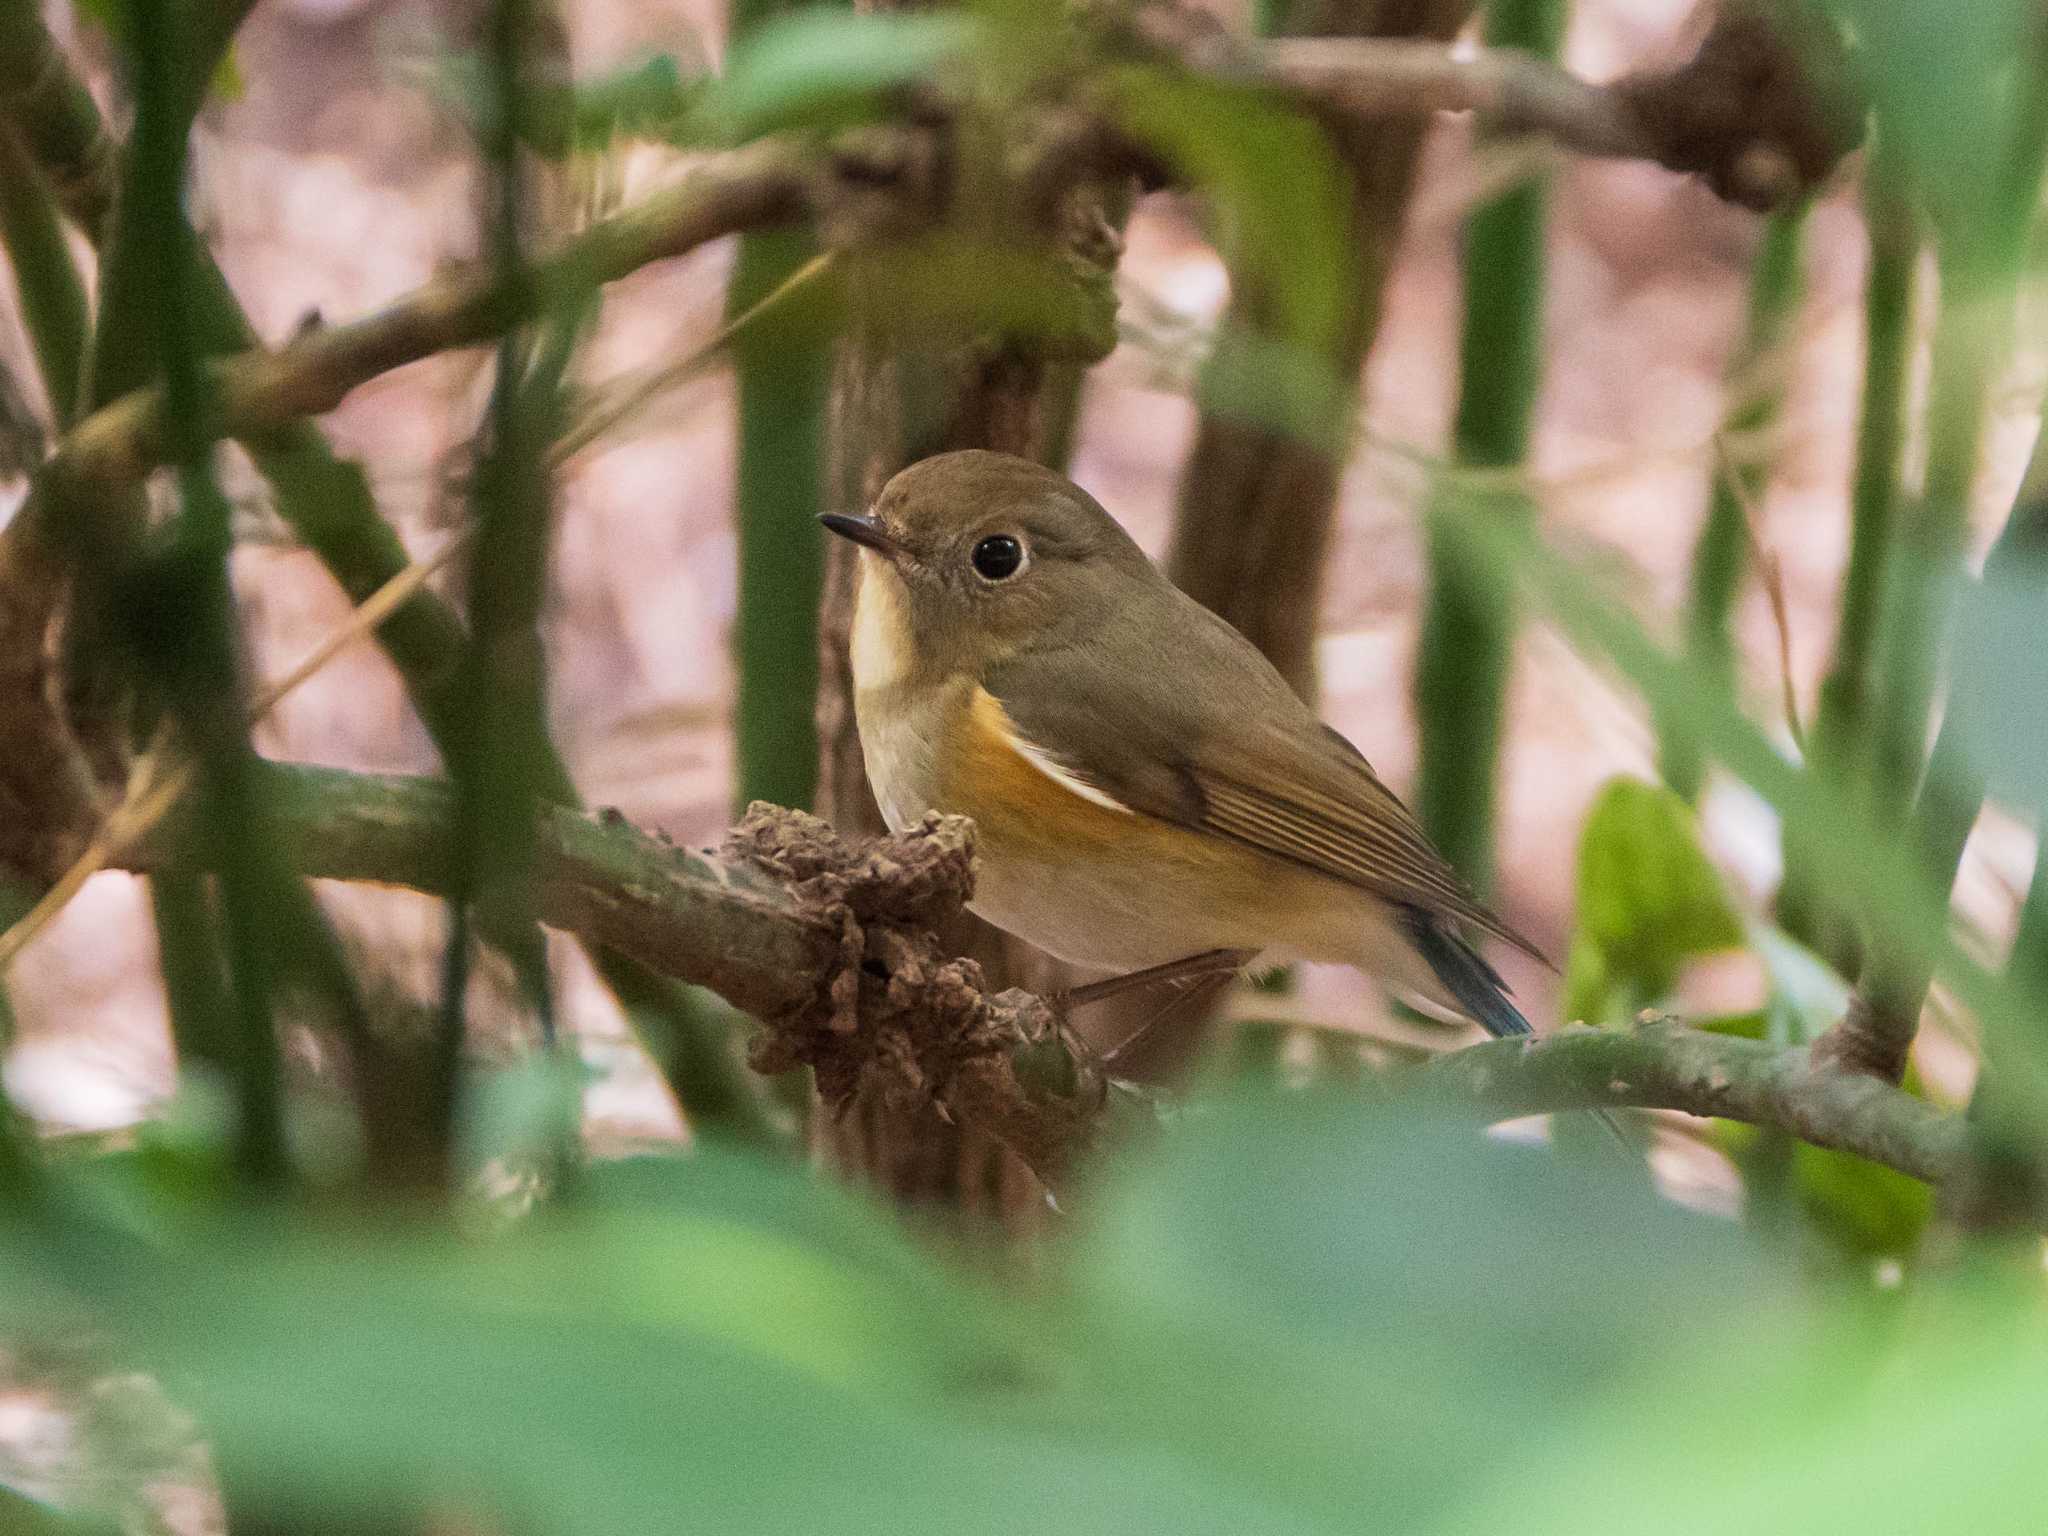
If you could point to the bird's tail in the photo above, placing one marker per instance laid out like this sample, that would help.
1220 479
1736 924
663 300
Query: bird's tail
1480 993
1474 986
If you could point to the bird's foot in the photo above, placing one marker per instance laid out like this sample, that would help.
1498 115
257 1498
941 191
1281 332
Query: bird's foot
1210 962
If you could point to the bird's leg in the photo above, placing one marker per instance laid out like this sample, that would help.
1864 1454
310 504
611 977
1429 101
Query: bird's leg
1210 962
1198 988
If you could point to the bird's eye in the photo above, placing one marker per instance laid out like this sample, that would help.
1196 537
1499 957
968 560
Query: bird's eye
998 557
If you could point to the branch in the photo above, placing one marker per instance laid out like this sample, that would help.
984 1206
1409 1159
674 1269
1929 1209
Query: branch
256 392
1378 78
830 944
1688 118
1668 1066
1758 112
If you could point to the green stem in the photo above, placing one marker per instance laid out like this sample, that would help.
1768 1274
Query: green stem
46 281
1954 793
1721 556
502 696
1874 496
197 650
784 383
196 987
1468 629
2029 962
1841 739
784 379
131 285
1980 271
327 502
53 112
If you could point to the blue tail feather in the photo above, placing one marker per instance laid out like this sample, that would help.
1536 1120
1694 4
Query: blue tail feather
1476 987
1480 993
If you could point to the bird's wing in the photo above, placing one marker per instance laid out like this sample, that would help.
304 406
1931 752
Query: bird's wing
1239 755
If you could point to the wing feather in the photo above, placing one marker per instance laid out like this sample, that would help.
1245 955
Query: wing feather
1384 852
1240 755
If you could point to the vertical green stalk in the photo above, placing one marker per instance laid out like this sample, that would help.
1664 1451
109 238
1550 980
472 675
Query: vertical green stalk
187 586
1721 556
2028 965
1467 632
1954 793
501 703
1931 547
167 605
1840 744
194 974
784 377
1981 262
1845 697
46 280
1981 269
784 382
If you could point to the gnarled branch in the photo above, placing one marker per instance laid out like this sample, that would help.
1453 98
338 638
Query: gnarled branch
830 944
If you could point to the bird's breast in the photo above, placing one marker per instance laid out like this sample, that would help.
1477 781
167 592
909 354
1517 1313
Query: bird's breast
902 717
880 648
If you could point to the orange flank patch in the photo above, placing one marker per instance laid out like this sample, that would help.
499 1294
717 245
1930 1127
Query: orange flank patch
1024 810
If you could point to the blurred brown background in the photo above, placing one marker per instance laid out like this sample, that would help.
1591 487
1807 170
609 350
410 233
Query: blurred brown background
339 180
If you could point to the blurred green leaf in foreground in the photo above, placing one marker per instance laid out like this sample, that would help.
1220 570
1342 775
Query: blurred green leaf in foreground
1289 1313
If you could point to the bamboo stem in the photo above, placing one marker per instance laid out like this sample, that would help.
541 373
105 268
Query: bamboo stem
1466 647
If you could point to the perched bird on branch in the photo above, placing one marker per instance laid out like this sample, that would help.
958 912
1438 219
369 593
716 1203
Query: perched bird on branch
1146 787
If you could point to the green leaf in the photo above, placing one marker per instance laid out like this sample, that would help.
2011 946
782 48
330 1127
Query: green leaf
1999 697
1946 85
21 1515
1863 1208
1279 205
1867 866
705 1342
1352 1307
652 99
827 67
1649 900
1807 997
1850 1418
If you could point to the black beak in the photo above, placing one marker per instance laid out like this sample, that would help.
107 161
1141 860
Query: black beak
864 531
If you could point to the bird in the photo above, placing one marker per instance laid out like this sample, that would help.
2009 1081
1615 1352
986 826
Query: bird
1145 786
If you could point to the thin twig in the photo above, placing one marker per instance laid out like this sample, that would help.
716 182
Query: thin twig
766 183
627 398
1771 576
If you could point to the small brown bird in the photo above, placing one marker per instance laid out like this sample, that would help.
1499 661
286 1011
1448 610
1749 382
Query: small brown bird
1145 785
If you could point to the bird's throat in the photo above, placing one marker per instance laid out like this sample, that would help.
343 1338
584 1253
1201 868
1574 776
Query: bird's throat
881 645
